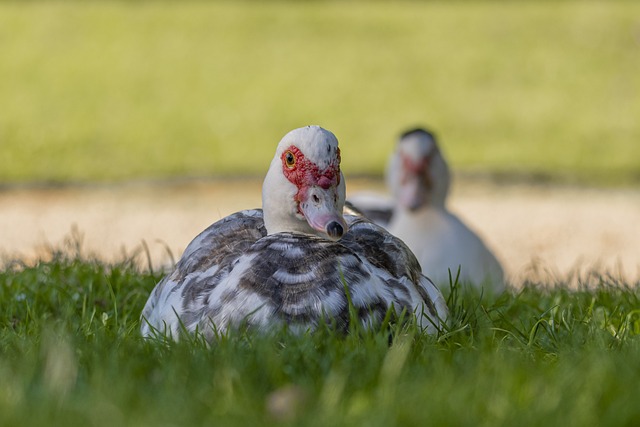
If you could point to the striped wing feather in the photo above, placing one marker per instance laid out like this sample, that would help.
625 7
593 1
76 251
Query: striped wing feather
233 273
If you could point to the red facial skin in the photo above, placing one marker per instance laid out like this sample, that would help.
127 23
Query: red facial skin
417 169
305 174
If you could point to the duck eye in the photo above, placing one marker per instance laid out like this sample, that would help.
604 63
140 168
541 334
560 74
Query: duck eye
290 159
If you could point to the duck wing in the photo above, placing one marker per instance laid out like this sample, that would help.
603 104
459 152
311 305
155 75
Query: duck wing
234 274
393 263
205 262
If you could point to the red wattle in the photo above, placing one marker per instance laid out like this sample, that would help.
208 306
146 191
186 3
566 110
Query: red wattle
305 173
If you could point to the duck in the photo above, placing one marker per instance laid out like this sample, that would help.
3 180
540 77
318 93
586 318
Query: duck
418 179
298 261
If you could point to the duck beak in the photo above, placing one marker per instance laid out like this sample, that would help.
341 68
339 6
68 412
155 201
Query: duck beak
320 209
412 194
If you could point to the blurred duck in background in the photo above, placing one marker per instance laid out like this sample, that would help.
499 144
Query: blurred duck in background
418 178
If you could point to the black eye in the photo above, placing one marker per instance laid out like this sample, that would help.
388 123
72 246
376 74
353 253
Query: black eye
290 159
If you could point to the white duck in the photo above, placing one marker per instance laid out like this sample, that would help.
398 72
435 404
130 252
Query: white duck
290 261
418 178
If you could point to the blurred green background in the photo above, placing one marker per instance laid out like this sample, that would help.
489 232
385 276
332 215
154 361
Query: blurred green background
105 91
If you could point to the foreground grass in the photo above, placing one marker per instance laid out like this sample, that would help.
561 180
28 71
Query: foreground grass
70 354
115 90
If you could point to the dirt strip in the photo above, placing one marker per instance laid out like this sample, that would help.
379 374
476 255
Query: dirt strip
539 233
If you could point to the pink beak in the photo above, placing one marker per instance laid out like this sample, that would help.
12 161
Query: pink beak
321 211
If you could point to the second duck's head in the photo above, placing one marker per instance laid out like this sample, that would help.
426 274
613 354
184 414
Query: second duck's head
417 173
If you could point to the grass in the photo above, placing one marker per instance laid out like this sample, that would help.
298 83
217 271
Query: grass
71 354
119 90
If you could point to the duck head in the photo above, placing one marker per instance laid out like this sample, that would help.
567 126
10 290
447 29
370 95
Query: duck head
417 173
304 190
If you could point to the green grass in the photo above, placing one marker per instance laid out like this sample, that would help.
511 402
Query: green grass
118 90
71 354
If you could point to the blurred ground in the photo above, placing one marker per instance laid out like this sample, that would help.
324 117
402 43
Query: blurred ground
542 233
